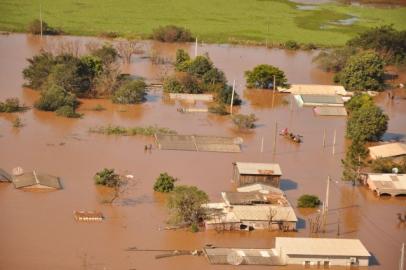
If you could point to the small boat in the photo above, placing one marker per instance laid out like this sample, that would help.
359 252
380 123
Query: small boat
296 138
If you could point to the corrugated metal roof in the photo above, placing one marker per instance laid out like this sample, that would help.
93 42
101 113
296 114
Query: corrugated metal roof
388 181
321 99
315 89
387 150
330 111
238 256
320 246
4 176
263 212
258 168
36 179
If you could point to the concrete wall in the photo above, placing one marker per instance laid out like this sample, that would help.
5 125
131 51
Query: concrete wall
320 260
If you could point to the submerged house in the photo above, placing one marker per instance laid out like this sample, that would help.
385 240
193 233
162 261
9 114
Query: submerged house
260 209
246 173
4 176
321 252
319 100
35 180
387 183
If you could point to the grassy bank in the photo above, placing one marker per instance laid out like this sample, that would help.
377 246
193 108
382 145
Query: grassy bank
217 21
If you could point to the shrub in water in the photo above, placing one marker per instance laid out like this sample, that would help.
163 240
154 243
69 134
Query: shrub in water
172 33
308 201
164 183
107 177
130 92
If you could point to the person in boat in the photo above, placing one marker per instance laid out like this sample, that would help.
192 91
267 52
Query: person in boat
297 138
284 132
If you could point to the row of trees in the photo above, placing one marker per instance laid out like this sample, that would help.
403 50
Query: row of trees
360 64
64 77
367 122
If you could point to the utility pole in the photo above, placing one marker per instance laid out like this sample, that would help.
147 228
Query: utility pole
40 17
262 144
276 134
334 141
324 137
402 258
196 48
274 89
325 205
232 98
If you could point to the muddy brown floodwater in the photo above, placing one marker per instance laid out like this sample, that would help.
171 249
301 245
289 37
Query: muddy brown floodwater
37 229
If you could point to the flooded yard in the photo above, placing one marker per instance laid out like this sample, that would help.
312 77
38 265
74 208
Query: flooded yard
38 230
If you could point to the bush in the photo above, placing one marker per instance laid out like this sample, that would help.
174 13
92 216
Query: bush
107 53
172 33
291 45
130 92
182 83
385 165
67 111
194 228
244 121
131 131
262 77
368 123
38 70
220 109
185 204
34 27
182 60
54 97
107 177
309 46
164 183
10 105
308 201
98 108
363 71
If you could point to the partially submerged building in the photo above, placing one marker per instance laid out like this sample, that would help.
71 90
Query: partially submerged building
319 100
35 180
388 150
260 209
387 183
191 97
4 176
321 252
246 173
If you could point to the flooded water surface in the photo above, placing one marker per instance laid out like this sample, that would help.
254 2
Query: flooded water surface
38 230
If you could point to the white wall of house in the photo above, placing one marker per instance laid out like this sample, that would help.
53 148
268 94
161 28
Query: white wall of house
320 260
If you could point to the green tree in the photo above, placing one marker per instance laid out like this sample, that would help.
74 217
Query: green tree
225 94
308 201
385 40
107 54
130 92
354 160
164 183
262 77
107 177
36 74
185 205
357 101
200 66
182 60
368 123
385 165
54 97
335 59
363 71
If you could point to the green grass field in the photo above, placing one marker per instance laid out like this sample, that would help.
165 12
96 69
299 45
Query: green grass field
219 21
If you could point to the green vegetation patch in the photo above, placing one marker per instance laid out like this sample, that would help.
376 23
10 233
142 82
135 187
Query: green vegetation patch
131 131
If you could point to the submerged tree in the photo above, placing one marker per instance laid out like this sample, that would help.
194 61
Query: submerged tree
164 183
130 92
185 204
308 201
244 122
262 76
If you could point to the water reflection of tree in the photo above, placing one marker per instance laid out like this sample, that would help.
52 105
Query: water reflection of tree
262 99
